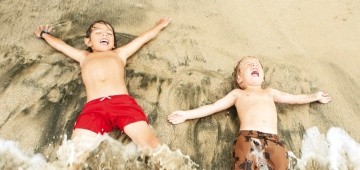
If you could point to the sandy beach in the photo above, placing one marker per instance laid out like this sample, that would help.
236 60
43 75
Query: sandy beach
304 47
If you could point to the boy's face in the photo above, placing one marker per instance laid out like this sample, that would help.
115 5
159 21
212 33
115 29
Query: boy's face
101 38
251 73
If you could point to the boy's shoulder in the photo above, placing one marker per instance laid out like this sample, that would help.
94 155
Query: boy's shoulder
237 91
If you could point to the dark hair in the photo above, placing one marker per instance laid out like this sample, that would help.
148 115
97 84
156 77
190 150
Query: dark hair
90 29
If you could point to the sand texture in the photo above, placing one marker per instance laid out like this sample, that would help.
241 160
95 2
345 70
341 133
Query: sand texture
304 46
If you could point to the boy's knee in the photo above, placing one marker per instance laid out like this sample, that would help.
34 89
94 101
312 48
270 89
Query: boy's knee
149 141
143 136
153 141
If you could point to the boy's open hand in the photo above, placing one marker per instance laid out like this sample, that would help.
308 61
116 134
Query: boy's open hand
40 28
177 117
163 22
323 97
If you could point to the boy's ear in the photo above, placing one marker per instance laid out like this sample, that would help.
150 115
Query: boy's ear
87 42
239 80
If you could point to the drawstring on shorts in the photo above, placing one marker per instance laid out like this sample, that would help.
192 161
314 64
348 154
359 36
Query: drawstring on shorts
105 97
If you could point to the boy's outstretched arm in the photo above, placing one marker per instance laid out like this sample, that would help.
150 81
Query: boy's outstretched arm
127 50
222 104
74 53
282 97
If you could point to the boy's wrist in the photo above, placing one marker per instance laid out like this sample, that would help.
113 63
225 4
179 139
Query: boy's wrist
318 96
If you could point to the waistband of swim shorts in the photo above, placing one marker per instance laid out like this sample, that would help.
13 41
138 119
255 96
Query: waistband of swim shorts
105 98
259 135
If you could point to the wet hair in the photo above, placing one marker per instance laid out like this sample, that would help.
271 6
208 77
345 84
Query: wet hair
237 70
90 29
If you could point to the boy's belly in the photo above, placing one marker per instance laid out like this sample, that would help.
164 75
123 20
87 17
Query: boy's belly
99 89
266 122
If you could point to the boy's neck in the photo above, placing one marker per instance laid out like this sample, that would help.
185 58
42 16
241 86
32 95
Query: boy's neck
99 51
253 88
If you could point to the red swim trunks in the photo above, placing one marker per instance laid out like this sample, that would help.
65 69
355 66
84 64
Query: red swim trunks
113 112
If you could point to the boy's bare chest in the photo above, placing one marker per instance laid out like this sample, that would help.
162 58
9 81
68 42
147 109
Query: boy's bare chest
102 62
255 103
102 68
250 97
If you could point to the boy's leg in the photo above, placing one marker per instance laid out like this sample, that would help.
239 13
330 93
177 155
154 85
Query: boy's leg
278 156
84 140
242 156
78 132
141 134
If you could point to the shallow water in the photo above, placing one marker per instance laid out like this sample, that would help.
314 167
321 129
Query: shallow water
335 150
110 154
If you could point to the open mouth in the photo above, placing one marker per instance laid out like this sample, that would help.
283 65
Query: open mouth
255 73
104 42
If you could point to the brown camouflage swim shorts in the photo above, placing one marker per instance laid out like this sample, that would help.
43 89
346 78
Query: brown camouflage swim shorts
258 150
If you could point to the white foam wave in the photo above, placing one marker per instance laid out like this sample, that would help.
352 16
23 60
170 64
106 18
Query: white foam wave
11 156
103 152
335 151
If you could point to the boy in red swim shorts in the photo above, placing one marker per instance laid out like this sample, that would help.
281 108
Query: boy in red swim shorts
108 113
103 70
257 145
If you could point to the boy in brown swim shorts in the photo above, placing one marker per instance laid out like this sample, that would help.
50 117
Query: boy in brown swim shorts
258 150
103 73
257 146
